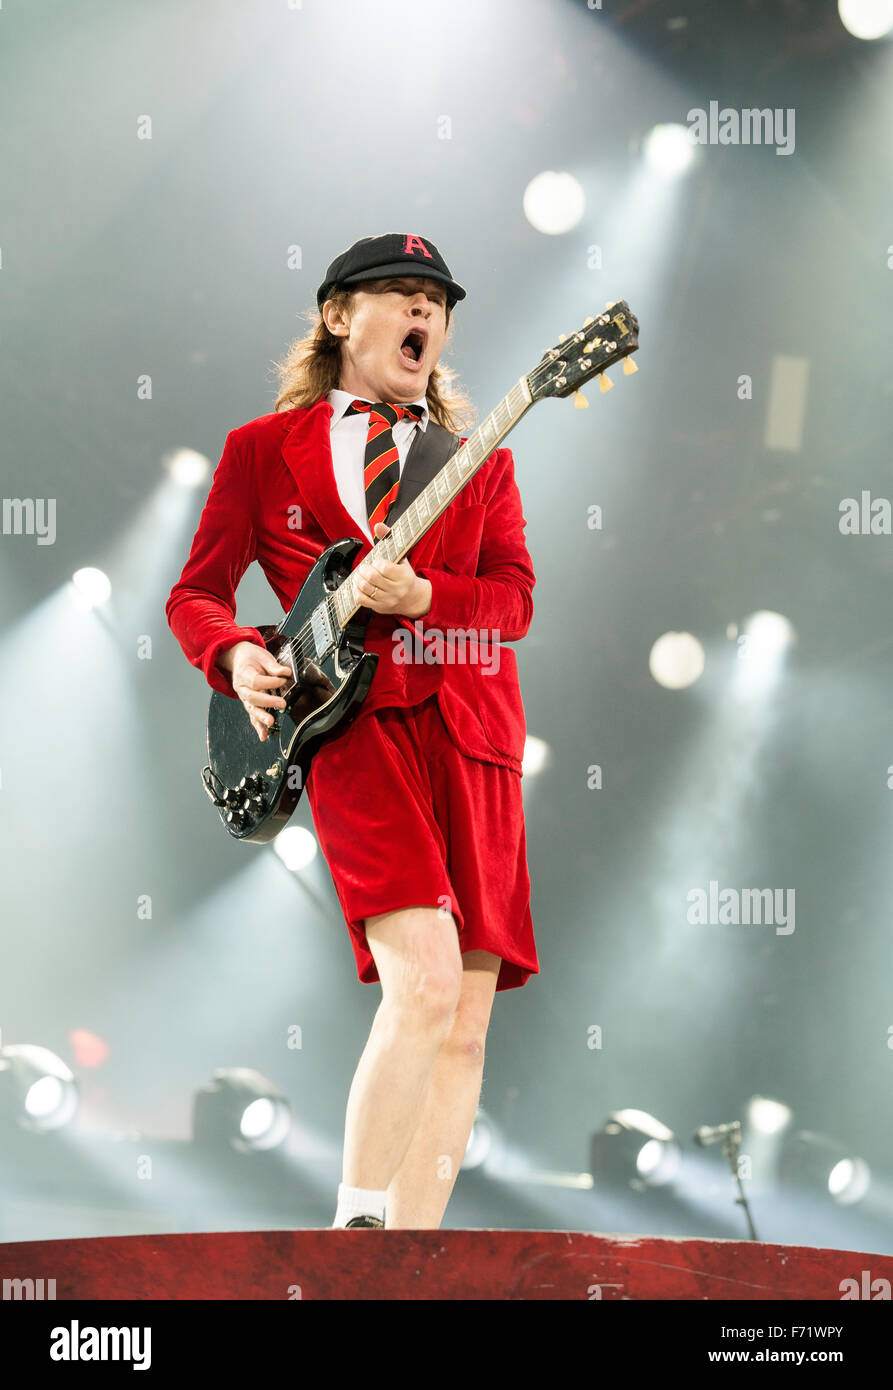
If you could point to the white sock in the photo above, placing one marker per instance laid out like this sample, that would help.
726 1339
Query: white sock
358 1201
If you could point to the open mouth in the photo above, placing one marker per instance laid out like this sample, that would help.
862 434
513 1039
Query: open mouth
412 347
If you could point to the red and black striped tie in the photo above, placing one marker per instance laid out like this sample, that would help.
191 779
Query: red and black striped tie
381 470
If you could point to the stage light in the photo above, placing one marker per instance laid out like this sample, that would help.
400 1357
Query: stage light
767 1116
761 649
92 587
676 660
89 1049
296 847
635 1148
37 1089
849 1180
241 1108
536 756
257 1119
817 1161
187 467
481 1142
670 149
866 19
554 203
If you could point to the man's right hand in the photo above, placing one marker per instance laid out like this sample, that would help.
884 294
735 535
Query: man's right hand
255 674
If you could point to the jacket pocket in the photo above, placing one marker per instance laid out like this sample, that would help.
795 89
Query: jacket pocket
501 708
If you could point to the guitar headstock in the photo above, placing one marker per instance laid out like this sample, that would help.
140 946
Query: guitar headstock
601 342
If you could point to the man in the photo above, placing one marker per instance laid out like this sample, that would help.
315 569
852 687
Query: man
417 803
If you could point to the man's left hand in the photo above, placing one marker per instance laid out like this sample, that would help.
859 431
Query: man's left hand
388 588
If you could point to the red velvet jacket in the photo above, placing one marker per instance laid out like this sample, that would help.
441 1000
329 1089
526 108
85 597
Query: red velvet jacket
474 555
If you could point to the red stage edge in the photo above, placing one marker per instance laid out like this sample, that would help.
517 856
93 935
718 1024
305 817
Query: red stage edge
456 1265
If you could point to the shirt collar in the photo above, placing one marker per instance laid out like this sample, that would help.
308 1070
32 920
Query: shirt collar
340 400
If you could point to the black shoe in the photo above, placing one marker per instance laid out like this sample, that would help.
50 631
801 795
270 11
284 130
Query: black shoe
364 1221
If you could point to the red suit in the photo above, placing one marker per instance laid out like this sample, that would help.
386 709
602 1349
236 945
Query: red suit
274 499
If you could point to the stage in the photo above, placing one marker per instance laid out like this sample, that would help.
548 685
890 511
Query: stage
431 1265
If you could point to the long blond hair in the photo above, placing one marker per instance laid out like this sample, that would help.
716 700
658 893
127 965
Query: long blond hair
311 368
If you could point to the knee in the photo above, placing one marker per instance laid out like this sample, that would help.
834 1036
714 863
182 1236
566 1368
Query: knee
435 994
426 986
466 1039
426 1005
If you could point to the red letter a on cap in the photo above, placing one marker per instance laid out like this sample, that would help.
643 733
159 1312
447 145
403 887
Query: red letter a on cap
412 243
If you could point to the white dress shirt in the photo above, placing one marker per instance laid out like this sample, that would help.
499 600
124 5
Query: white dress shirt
348 438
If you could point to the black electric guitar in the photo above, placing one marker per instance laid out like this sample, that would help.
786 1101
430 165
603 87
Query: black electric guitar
257 785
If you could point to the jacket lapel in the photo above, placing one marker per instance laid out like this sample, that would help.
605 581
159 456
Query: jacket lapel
307 451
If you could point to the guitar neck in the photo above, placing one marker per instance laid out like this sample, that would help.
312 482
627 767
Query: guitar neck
421 514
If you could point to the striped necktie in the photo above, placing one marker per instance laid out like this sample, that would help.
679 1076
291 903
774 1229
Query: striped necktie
381 469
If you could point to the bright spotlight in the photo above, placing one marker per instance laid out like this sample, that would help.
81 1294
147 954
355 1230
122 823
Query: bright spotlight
481 1141
37 1089
676 660
44 1098
826 1165
770 631
768 1116
635 1148
849 1180
241 1108
92 588
761 648
554 203
257 1119
536 756
866 19
187 467
296 847
670 149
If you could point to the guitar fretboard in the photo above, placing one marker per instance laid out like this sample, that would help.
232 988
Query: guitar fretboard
421 514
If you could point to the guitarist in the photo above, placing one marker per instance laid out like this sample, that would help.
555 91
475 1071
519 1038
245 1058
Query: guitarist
417 803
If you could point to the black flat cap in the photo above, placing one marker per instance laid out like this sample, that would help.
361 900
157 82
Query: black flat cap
378 257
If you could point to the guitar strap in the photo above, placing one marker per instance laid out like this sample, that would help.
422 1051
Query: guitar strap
428 453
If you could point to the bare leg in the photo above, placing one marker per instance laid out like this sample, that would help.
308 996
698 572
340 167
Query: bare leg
417 955
421 1188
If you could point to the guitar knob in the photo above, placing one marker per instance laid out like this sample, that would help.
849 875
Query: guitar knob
231 797
236 819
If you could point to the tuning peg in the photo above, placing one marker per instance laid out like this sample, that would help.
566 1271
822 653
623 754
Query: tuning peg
587 322
562 337
580 401
629 366
604 382
591 346
610 304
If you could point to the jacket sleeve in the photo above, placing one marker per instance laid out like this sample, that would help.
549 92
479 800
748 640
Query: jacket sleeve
201 608
499 597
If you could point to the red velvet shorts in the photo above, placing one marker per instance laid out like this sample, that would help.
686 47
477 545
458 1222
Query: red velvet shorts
404 819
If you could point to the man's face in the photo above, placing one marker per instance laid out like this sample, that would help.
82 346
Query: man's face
392 337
